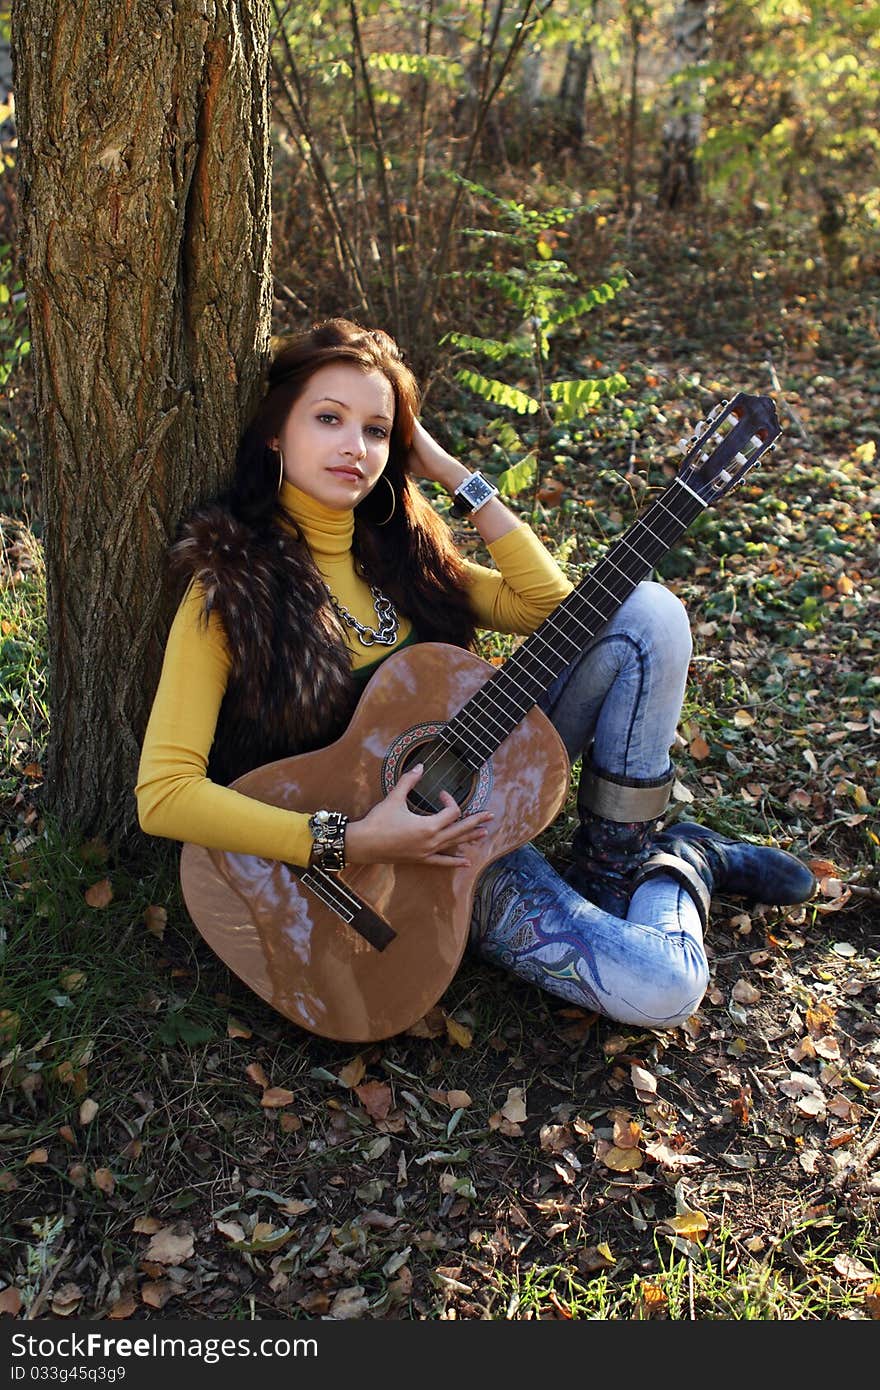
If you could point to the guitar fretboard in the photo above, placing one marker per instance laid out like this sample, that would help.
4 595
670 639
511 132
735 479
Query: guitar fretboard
493 712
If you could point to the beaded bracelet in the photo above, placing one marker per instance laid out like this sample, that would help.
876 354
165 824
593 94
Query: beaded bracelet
328 841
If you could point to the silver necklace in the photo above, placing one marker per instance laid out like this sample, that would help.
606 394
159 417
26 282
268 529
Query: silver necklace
386 634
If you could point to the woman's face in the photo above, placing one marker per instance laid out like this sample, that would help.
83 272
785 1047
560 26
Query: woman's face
335 440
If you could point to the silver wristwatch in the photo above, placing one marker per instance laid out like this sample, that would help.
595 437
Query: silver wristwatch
472 494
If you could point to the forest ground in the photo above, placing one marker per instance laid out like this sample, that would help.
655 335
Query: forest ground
172 1148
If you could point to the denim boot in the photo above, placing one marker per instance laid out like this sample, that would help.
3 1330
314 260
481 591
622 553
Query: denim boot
705 862
618 816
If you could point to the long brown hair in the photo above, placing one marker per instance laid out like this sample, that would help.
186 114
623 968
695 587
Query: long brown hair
411 556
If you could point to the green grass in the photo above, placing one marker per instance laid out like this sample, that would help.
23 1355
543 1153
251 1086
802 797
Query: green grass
24 712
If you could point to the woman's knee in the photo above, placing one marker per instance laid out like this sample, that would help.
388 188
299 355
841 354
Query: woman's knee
668 997
659 616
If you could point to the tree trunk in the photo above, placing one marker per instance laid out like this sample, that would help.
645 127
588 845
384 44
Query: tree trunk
144 196
679 183
532 84
571 99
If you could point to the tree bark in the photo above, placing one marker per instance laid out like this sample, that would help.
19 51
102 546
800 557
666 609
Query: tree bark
144 204
572 96
679 182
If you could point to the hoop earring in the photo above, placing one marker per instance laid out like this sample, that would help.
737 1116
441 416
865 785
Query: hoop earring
280 471
385 478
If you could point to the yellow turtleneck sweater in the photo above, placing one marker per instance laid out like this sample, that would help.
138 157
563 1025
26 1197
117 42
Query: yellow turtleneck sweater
176 799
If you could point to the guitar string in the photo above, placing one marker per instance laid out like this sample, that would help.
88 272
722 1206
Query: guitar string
576 604
581 602
574 609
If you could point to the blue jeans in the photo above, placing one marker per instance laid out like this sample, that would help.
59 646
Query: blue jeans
622 696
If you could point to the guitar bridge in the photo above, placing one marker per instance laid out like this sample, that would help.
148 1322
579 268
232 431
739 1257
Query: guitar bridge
349 908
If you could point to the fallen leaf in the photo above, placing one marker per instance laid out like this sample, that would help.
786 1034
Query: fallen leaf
823 868
66 1300
671 1158
146 1225
691 1224
275 1097
852 1269
353 1072
811 1105
509 1127
11 1302
699 748
627 1134
459 1033
872 1299
743 718
256 1074
349 1303
155 920
104 1181
38 1156
100 894
125 1307
88 1110
644 1083
745 993
514 1108
156 1293
745 1162
375 1097
290 1123
231 1229
171 1245
652 1299
621 1160
458 1100
555 1139
72 981
235 1029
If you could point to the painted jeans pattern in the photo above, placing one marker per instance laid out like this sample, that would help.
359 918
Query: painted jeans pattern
622 698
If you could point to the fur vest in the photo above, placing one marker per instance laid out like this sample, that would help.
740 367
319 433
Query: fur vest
290 687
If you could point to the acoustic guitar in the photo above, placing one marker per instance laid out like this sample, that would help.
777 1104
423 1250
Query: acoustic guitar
363 954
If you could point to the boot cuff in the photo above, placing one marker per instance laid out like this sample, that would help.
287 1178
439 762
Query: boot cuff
623 799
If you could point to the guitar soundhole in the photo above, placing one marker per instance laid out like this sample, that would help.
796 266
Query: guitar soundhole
444 772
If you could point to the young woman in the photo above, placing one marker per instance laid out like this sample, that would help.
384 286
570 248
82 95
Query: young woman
321 560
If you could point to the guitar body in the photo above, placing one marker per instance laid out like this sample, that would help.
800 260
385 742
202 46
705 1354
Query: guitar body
299 953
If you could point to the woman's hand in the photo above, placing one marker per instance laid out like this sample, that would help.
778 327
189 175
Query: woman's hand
393 834
426 459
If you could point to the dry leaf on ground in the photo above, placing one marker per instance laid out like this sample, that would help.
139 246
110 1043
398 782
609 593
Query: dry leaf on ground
171 1245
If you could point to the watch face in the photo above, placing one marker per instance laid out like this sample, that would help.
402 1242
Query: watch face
477 490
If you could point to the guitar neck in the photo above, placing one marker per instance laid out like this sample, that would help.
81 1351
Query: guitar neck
485 721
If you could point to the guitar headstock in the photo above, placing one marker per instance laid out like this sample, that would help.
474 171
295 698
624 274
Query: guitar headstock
731 440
